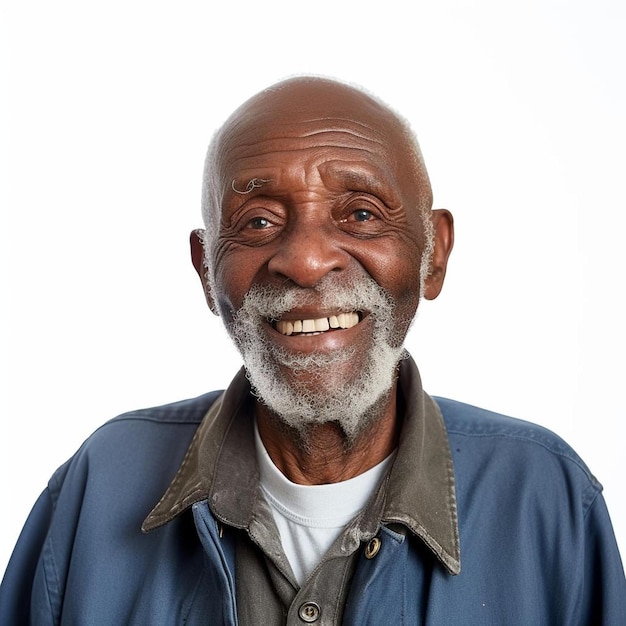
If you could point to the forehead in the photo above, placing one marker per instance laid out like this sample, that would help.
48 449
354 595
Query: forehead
311 100
310 122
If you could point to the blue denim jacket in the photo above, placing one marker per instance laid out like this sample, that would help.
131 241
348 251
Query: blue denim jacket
536 540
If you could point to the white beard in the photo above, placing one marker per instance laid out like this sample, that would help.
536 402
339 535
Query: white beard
352 403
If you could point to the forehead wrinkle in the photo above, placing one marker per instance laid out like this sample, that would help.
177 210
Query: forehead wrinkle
351 133
352 128
240 167
277 152
242 146
275 145
259 124
257 133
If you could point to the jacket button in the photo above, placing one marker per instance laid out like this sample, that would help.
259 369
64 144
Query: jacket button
309 612
372 548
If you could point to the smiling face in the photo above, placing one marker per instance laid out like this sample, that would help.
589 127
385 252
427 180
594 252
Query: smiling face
315 266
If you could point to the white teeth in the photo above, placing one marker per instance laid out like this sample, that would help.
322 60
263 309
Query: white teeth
308 326
320 325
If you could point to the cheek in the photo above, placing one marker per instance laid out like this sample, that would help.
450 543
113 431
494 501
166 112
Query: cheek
394 265
396 268
236 270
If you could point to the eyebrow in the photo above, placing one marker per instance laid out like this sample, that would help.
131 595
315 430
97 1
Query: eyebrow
360 176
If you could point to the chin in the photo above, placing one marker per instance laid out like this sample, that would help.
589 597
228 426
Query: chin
327 392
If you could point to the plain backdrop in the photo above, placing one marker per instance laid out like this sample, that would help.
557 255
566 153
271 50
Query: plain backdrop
107 110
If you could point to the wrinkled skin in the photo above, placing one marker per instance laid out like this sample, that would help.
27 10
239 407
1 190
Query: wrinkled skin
316 179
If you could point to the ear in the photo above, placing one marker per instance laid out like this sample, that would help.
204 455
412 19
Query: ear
197 258
444 240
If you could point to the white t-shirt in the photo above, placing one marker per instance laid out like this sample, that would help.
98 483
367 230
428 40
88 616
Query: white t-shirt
311 517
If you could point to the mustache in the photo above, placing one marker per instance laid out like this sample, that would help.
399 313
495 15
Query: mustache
353 294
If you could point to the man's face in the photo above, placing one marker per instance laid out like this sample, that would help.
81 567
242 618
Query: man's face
321 239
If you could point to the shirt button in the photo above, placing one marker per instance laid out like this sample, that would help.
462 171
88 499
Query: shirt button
372 548
309 612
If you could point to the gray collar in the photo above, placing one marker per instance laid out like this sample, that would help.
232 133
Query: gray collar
220 466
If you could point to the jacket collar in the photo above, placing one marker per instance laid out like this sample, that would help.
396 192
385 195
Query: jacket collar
420 492
220 466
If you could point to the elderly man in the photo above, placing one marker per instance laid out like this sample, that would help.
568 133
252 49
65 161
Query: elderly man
323 486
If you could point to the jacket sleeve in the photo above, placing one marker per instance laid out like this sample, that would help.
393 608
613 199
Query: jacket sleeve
604 594
17 584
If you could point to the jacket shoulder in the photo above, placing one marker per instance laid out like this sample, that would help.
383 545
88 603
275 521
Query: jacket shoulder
472 421
516 443
138 440
191 410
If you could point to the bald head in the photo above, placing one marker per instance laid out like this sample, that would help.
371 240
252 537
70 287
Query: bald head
316 105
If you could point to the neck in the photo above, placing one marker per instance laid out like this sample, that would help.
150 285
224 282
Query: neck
322 454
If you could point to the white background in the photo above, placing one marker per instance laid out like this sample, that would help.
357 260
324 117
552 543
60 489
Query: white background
108 108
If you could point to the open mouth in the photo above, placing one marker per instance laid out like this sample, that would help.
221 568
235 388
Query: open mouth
310 327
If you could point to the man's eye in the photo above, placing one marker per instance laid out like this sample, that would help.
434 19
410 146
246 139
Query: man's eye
259 223
359 216
362 215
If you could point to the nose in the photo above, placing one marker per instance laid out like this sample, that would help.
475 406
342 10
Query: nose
307 253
